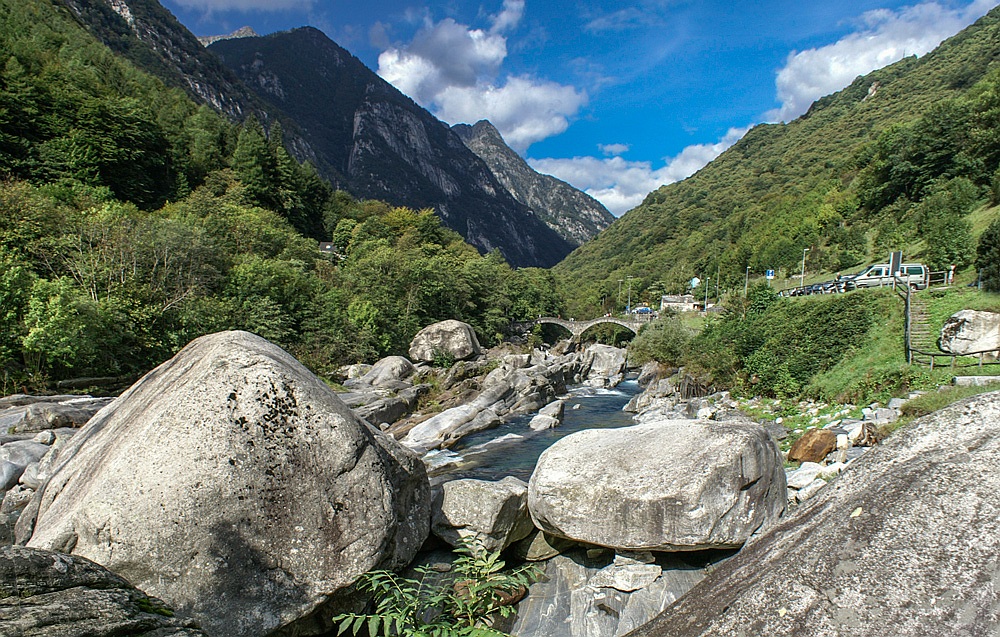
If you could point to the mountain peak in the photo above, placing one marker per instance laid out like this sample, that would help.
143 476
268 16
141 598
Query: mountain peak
574 215
242 32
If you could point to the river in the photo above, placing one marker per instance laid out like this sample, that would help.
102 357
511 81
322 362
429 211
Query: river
512 449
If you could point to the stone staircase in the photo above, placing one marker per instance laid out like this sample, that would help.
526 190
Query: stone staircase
923 336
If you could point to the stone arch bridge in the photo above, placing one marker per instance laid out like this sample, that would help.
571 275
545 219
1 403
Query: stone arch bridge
577 328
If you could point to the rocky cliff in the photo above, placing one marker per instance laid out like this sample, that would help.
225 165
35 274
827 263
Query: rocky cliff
575 215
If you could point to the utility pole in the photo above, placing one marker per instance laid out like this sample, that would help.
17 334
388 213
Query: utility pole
619 293
718 269
746 283
706 293
628 308
802 277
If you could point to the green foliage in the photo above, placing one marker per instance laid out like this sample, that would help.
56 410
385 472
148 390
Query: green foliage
460 604
666 340
778 345
443 359
988 257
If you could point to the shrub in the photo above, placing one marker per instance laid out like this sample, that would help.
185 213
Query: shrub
457 605
988 257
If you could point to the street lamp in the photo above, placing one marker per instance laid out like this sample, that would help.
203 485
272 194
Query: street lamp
802 277
746 284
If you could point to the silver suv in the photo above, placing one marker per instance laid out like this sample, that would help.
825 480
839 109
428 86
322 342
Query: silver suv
878 275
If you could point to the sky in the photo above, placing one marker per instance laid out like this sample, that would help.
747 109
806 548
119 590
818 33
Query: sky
616 98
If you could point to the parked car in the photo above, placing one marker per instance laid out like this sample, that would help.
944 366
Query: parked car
879 275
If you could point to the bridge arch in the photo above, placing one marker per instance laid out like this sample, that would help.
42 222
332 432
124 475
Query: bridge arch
577 328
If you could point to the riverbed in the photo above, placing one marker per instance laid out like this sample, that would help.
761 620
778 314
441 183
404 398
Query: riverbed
512 449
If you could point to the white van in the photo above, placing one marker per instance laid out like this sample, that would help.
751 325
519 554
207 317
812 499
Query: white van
878 275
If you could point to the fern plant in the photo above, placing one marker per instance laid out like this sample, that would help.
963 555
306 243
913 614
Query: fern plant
459 604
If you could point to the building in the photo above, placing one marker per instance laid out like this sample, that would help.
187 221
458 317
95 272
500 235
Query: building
679 303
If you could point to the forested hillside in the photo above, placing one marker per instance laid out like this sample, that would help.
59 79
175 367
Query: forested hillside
897 160
133 220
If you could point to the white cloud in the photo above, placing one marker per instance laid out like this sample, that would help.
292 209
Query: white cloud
614 149
245 6
509 17
455 71
622 185
884 36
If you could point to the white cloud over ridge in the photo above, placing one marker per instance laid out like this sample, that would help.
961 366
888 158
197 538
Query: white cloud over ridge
245 6
883 37
455 71
622 185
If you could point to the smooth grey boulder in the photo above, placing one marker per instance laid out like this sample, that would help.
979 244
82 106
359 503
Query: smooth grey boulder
903 543
47 594
549 416
389 370
235 485
492 513
15 457
450 338
971 331
673 485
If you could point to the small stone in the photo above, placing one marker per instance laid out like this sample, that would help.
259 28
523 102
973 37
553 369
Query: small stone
46 437
843 442
627 578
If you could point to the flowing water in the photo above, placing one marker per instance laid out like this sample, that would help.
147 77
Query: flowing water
512 449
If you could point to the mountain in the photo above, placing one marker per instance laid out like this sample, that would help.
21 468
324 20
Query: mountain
575 215
242 32
895 161
378 144
152 39
359 132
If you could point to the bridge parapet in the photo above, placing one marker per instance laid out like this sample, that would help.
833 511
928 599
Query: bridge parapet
577 328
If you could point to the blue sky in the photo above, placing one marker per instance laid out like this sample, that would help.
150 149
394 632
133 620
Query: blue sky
616 98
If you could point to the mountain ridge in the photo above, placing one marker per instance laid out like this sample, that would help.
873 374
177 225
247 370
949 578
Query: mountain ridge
575 215
379 144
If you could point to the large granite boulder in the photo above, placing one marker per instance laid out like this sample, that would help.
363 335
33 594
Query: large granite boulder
492 513
670 485
903 543
388 371
236 486
46 594
605 365
451 339
970 331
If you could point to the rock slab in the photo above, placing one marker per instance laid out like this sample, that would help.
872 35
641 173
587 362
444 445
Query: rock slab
234 484
671 485
903 543
47 594
493 513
